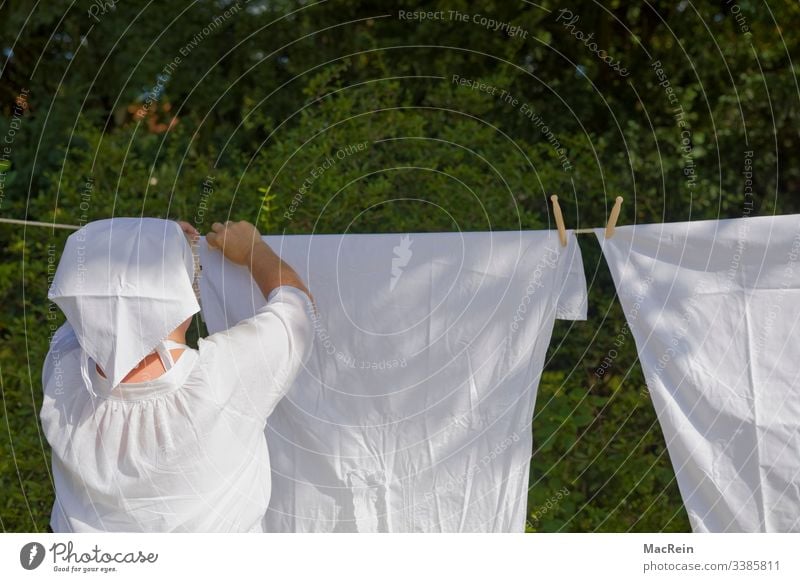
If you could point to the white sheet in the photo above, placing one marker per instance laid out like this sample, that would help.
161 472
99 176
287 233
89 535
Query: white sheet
714 308
414 411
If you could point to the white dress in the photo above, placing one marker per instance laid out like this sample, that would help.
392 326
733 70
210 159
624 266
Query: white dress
186 451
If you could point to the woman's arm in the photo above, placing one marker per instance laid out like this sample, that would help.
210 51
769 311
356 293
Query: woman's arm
241 243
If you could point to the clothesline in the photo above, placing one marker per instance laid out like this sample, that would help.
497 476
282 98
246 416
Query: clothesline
38 223
610 226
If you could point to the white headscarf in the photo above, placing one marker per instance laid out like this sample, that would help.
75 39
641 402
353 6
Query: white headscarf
124 285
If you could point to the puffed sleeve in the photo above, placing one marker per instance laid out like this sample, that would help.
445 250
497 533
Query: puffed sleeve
252 365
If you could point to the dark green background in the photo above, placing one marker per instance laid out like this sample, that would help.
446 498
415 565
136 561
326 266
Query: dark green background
278 86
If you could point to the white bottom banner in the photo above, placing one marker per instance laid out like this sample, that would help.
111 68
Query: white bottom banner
405 557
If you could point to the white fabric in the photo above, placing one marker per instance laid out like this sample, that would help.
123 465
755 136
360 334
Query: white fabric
714 308
414 410
124 284
184 452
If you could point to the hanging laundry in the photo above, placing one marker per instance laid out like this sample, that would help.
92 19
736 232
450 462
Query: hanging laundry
413 411
714 309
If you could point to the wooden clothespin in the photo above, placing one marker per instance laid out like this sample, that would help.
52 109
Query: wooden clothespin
612 218
562 230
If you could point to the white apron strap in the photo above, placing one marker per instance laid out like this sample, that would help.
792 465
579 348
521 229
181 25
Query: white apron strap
164 353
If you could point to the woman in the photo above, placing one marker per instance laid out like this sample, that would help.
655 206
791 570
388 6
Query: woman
148 434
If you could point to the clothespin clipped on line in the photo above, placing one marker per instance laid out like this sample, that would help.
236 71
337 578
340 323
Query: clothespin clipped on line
562 230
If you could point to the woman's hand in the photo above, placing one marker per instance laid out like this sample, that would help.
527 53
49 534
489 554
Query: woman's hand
236 240
191 232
